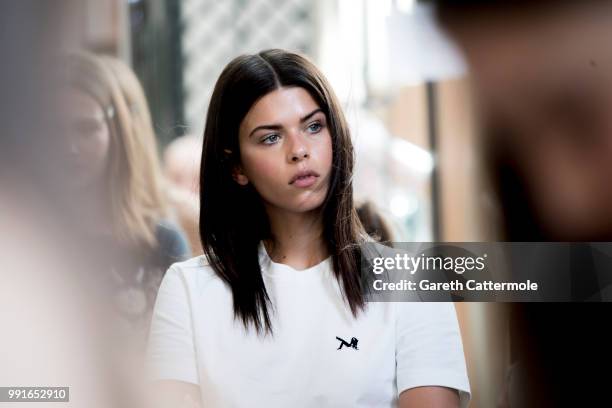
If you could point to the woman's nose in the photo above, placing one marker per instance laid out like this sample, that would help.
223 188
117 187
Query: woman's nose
299 149
299 155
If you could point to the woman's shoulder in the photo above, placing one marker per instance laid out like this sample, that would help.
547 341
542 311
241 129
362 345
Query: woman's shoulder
195 273
196 262
195 265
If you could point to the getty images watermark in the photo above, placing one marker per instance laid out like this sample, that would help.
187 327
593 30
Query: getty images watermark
458 265
494 271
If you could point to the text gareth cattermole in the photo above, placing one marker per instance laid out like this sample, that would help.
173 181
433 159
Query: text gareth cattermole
423 262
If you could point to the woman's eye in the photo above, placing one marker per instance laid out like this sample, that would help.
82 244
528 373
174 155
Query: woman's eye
271 139
315 127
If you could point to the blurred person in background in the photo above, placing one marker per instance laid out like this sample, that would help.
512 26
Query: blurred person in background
374 223
104 178
542 76
182 169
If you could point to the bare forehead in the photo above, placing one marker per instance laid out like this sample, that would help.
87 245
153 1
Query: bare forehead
286 105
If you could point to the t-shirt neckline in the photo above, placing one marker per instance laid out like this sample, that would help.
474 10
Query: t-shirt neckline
283 271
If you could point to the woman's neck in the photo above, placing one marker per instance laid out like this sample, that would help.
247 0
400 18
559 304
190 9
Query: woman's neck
297 239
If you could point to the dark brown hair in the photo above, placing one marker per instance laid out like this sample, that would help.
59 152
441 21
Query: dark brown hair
232 218
374 223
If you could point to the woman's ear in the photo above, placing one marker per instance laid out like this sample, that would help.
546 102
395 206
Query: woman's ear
237 172
239 176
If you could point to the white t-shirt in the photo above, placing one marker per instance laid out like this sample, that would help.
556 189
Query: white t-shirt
389 348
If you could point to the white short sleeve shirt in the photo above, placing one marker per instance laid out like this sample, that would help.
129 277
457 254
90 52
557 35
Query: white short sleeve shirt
319 356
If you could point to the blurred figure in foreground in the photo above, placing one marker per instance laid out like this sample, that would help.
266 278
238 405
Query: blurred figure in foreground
543 83
104 177
182 168
543 80
57 329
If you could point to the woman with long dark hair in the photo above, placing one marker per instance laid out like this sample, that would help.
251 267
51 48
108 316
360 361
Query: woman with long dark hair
274 313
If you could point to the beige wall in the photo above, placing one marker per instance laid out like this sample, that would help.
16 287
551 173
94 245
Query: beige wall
483 325
407 115
458 163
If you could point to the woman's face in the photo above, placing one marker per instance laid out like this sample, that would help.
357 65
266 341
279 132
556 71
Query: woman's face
84 141
286 150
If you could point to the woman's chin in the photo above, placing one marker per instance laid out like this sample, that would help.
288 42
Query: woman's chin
302 207
309 203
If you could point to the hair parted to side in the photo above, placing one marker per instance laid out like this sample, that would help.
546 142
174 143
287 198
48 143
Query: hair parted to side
135 181
232 218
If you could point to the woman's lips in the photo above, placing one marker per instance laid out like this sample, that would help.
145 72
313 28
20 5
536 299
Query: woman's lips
304 182
304 179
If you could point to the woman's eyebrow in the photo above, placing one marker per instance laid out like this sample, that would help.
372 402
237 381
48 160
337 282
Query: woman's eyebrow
310 115
279 127
265 127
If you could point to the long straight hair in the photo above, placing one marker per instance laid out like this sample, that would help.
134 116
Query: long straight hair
232 218
134 176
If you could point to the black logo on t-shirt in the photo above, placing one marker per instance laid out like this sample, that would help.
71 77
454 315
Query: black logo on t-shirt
352 344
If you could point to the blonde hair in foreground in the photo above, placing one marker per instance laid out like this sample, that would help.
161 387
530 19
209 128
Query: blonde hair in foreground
135 181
